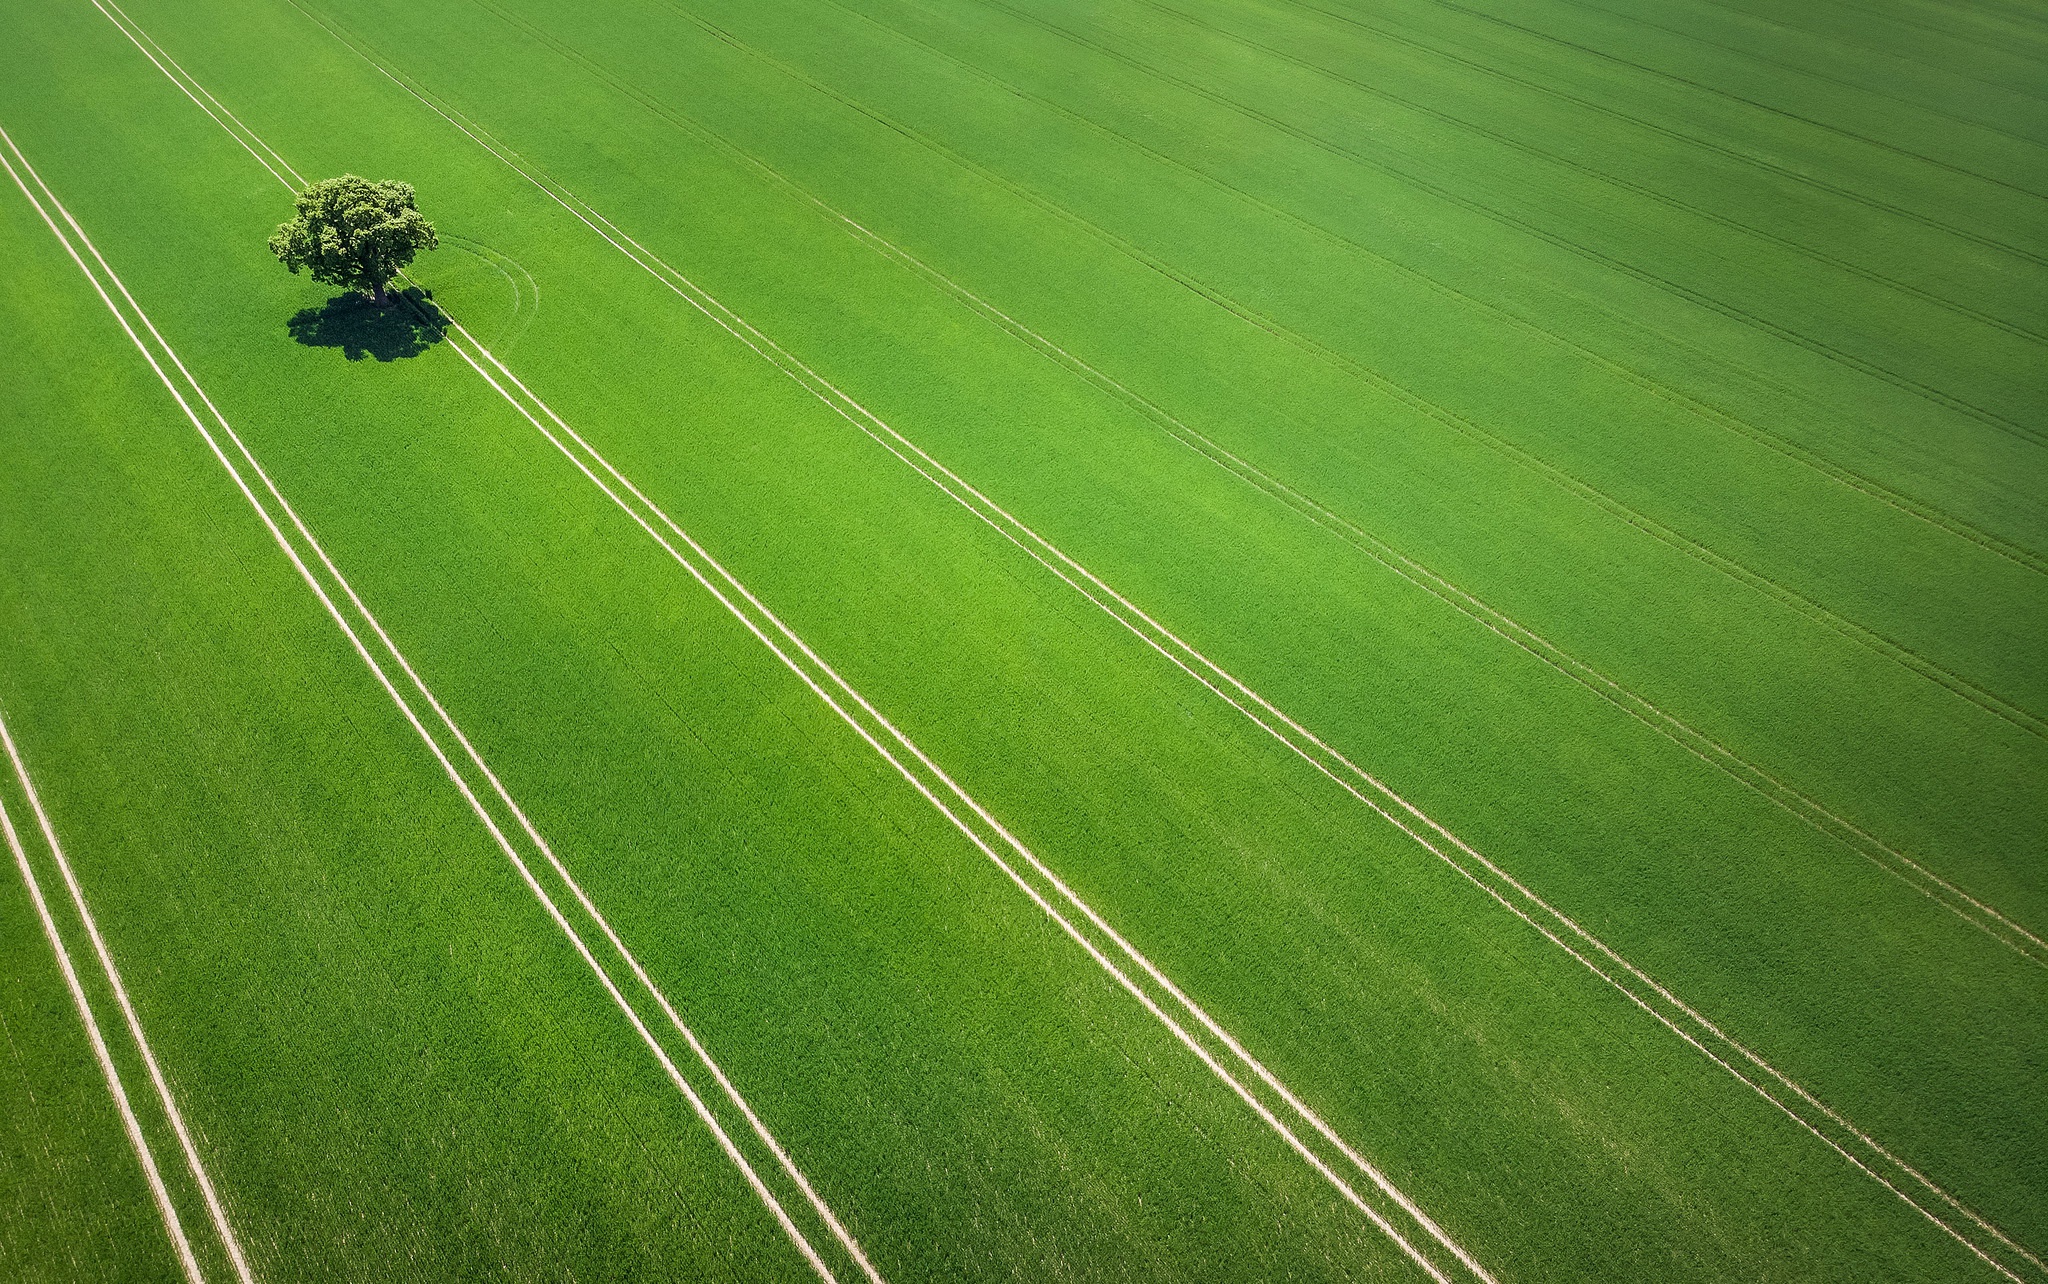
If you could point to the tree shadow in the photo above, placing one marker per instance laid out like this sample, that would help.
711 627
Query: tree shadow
404 327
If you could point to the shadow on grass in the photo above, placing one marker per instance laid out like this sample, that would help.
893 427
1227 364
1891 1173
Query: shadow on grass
356 325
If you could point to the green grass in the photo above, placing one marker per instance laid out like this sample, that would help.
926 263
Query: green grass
1703 342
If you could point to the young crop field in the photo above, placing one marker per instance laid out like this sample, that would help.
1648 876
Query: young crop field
968 640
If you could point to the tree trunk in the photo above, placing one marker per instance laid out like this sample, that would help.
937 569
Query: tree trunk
383 295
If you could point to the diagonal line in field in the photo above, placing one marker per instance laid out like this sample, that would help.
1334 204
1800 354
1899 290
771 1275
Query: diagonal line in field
1759 160
252 142
930 790
1840 474
1264 1112
1372 1173
2017 329
1983 916
1195 664
1702 86
697 1104
1923 880
156 1075
1564 479
229 1241
1829 1118
1899 100
1827 1124
187 1261
1742 316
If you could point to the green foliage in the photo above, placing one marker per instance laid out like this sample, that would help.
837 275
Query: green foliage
354 233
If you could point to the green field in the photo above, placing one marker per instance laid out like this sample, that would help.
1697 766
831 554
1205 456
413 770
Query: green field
1222 640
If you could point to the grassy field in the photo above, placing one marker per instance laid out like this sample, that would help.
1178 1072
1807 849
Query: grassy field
1020 639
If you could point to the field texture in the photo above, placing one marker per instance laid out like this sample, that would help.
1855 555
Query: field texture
1226 640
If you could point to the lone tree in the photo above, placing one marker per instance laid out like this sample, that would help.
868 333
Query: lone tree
354 233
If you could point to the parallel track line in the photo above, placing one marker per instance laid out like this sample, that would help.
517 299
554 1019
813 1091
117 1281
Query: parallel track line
188 1262
1930 669
1191 661
1979 914
1264 1112
675 1075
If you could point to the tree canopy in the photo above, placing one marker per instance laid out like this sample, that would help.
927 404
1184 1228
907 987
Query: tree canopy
354 233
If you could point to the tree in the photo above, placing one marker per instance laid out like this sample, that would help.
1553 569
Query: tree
354 233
